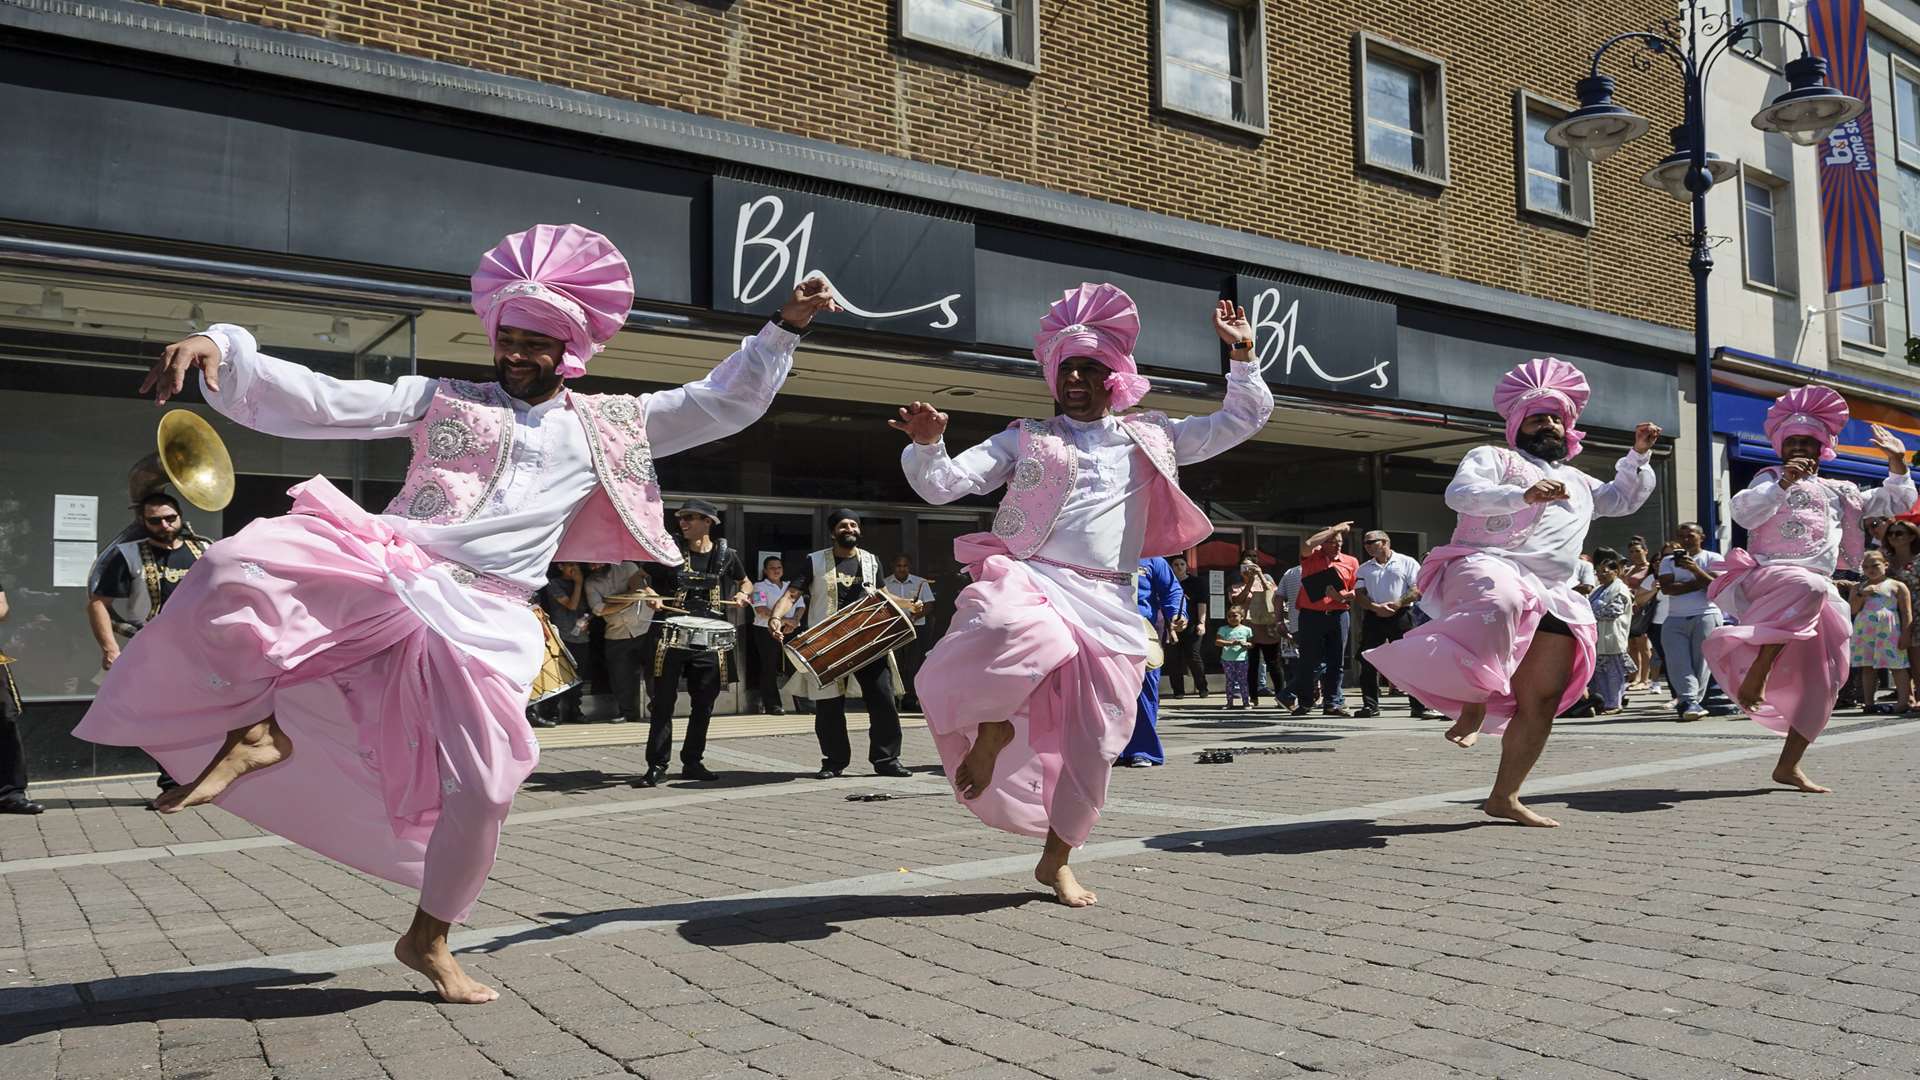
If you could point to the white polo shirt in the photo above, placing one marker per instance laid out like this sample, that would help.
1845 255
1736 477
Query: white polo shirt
914 588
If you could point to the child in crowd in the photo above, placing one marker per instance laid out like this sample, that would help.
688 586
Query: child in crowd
1612 604
1233 640
1882 612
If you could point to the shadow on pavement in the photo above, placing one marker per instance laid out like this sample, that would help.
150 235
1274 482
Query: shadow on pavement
1313 836
243 994
1640 800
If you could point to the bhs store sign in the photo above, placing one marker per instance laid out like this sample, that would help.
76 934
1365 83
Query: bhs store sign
896 271
1322 340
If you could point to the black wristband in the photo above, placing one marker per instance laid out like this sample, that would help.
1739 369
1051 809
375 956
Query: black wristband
798 331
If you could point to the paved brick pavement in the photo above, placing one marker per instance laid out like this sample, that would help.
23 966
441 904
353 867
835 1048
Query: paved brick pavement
1340 908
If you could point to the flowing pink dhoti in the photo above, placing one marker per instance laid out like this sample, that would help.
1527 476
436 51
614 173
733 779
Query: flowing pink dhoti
406 751
1794 607
1011 655
1490 612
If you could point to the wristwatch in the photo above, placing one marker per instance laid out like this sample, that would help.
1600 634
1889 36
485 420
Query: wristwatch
1246 344
789 327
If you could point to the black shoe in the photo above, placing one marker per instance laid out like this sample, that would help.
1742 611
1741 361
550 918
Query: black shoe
827 774
891 768
618 719
655 774
541 721
776 711
1299 710
21 806
1367 712
693 770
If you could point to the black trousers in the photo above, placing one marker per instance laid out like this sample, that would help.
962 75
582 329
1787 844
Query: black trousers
908 657
13 757
769 666
699 671
630 670
883 735
1323 657
1268 653
1184 656
1378 630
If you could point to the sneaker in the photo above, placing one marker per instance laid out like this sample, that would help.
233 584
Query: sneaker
1690 713
1337 710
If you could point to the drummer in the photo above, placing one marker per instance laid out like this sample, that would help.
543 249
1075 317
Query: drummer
711 579
833 578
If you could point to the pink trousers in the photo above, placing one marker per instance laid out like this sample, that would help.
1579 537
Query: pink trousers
1790 606
1490 614
406 751
1010 655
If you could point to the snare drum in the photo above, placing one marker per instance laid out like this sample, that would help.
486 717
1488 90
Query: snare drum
851 638
697 632
557 674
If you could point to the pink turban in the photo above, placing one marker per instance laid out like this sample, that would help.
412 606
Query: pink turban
1099 321
1549 385
1807 410
563 281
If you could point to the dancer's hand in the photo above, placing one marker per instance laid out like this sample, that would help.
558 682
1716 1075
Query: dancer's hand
1889 444
1546 491
922 422
778 629
169 374
1796 470
1645 436
1230 322
810 298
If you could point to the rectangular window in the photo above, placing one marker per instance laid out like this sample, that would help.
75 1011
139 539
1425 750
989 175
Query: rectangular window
1766 226
1553 182
1003 30
1906 112
1912 245
1402 117
1213 61
1862 314
1763 42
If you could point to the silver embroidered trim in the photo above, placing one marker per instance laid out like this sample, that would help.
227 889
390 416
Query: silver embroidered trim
217 682
448 439
621 410
1794 529
462 575
637 464
1114 712
1028 473
470 391
1009 521
448 787
1799 498
430 501
253 570
1500 523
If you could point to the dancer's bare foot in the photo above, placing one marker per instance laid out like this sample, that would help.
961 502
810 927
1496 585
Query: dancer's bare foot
1753 688
1512 809
245 750
1466 730
432 958
975 774
1066 888
1797 778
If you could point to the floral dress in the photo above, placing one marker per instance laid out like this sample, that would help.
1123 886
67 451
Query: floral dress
1878 641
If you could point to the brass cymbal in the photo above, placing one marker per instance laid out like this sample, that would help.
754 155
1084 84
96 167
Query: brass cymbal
195 460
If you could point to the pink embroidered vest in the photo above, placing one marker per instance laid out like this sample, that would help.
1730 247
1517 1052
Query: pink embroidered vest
460 451
1799 529
1048 467
1504 530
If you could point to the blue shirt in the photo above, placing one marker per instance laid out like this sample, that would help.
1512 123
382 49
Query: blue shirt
1161 598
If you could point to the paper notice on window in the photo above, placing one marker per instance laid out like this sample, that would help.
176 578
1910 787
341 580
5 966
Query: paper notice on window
1217 595
71 561
75 517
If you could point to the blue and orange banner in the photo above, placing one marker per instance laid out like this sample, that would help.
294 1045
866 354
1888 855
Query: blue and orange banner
1849 180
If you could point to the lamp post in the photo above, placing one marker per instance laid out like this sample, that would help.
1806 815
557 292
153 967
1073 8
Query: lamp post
1807 112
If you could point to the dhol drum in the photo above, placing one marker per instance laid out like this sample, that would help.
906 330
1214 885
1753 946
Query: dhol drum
851 638
697 632
557 674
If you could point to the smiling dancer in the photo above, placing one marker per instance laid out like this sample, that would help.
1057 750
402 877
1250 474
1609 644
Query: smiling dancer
374 669
1787 658
1030 695
1511 643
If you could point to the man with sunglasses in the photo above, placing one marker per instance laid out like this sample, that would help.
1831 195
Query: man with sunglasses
143 572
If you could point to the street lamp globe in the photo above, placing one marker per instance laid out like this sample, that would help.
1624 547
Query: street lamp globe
1809 110
1598 127
1670 175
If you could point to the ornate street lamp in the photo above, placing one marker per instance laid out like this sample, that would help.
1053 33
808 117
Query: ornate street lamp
1806 113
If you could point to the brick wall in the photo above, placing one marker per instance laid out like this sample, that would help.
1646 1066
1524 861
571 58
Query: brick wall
832 70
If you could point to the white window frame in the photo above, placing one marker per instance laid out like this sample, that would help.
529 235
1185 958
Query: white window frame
1526 103
1903 70
1433 96
1876 311
1785 263
1771 49
1026 37
1253 63
1910 279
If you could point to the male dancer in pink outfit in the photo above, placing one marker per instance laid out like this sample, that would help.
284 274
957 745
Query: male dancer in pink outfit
1030 695
1787 655
377 667
1511 643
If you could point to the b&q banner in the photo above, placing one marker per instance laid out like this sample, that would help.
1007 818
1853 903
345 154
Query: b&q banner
1849 182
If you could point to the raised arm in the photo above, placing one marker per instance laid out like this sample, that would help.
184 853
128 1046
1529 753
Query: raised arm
741 389
1897 495
1632 481
940 479
282 398
1248 404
